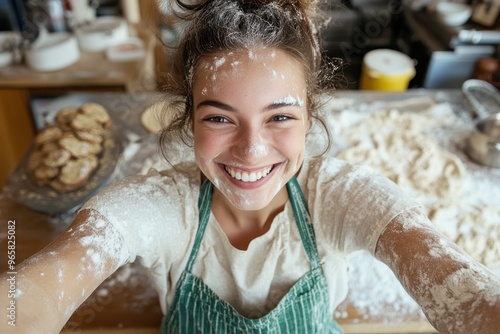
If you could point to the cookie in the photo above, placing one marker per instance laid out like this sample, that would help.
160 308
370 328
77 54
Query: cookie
35 159
49 147
76 172
56 158
61 187
89 137
79 148
48 134
97 112
66 115
43 174
86 124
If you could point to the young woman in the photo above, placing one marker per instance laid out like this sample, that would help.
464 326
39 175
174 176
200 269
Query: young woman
253 237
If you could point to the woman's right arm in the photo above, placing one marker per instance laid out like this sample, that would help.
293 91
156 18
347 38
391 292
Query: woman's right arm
50 285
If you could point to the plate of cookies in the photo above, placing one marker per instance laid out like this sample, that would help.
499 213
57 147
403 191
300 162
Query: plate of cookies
69 161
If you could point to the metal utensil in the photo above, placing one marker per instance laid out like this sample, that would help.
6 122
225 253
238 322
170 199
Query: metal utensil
483 98
483 145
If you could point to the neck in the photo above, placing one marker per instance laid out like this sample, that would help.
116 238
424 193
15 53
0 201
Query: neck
242 226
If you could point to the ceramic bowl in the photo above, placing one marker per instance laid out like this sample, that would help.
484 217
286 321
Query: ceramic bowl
453 14
53 52
102 33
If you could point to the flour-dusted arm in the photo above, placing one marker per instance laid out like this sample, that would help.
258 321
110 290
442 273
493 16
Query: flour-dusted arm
50 285
456 293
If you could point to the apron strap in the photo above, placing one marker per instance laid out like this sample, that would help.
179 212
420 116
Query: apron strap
301 213
204 205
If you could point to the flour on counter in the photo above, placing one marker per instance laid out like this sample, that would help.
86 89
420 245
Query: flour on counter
423 152
393 143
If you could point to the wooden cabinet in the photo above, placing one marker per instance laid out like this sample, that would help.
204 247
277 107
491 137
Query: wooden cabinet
16 129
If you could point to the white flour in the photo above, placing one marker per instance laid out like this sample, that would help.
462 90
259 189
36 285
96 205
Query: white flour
462 204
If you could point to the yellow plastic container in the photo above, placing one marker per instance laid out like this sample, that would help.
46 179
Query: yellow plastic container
387 70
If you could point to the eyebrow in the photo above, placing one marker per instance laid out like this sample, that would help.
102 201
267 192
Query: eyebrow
223 106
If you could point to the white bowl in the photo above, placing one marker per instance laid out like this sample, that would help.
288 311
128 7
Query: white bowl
53 52
453 14
102 33
5 58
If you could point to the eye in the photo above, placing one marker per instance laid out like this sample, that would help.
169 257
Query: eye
281 118
216 119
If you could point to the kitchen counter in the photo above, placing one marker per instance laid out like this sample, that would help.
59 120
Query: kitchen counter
127 302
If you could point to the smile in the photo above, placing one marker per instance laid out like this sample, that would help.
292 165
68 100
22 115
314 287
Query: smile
244 176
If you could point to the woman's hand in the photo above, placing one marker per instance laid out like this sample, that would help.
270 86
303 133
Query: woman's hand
51 284
456 293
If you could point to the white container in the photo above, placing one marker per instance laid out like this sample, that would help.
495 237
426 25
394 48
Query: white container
128 50
6 58
453 14
387 70
102 33
51 52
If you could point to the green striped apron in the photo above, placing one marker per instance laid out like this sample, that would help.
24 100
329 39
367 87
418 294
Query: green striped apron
304 309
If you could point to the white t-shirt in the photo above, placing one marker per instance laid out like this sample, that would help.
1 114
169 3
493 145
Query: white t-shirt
157 216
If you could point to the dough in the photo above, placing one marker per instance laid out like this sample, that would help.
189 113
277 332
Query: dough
394 144
473 227
156 117
397 145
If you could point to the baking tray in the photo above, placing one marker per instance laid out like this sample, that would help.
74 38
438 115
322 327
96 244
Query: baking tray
22 187
482 97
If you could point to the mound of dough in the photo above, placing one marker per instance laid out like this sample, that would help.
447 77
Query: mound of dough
67 152
394 144
475 228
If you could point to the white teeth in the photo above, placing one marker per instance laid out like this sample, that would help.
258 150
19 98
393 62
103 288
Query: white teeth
248 177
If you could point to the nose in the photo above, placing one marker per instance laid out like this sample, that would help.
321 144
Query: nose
250 145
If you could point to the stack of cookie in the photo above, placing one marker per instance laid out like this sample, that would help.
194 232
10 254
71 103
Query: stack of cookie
67 152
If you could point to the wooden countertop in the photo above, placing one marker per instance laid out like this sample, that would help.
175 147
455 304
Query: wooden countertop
127 302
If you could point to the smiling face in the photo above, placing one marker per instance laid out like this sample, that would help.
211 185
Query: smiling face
250 122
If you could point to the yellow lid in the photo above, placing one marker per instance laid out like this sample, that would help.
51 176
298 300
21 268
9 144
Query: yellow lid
388 62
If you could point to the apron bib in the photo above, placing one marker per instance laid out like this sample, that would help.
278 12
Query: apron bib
304 309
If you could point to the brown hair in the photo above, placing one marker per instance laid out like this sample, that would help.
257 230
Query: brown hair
217 26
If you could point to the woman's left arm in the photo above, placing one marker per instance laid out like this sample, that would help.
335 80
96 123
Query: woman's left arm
456 293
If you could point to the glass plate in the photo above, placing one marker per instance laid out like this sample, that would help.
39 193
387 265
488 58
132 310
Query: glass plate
22 187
